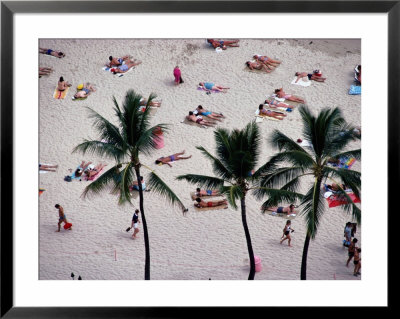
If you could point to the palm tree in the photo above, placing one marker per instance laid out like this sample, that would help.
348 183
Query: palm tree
123 143
329 135
236 157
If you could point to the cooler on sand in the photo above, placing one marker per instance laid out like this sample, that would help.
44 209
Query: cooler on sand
257 261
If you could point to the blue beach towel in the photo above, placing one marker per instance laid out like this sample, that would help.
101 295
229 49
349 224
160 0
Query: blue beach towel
355 90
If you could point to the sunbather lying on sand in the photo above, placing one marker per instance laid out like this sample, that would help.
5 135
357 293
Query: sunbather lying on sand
91 172
336 187
84 90
49 168
45 71
125 67
258 66
274 104
211 115
281 210
281 94
201 203
267 60
209 192
211 86
172 158
62 85
57 54
80 169
223 44
311 76
198 119
270 113
116 61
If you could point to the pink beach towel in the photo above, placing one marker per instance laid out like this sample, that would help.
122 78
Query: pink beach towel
94 177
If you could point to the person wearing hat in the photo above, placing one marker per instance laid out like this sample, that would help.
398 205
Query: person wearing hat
84 90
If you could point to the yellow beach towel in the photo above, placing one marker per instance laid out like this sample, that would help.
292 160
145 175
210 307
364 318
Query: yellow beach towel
60 95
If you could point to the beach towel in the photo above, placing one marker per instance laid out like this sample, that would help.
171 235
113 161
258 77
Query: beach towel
283 215
60 95
337 200
79 99
301 82
94 177
355 90
200 88
106 68
345 162
210 208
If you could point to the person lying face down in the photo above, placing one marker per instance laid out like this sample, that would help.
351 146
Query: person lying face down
208 192
201 203
172 158
210 114
198 119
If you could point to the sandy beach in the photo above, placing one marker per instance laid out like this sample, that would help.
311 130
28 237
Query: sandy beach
199 245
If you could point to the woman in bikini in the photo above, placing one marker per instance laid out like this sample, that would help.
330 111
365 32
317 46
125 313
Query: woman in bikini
125 67
91 172
269 113
172 158
267 60
211 115
198 119
274 104
63 85
57 54
84 90
223 44
281 94
258 66
201 203
311 76
209 86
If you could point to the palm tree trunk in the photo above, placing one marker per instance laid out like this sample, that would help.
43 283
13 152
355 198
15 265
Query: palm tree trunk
145 232
303 274
248 239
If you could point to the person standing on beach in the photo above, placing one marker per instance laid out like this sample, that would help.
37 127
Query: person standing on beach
135 225
178 76
357 262
62 217
286 233
348 234
352 249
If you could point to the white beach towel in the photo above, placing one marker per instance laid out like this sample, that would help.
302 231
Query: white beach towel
301 82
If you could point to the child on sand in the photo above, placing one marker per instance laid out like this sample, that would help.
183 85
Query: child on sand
62 217
286 233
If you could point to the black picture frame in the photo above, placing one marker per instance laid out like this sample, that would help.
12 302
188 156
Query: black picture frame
9 8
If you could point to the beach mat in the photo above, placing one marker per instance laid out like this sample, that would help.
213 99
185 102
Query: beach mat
301 82
355 90
60 95
210 208
338 200
79 99
106 68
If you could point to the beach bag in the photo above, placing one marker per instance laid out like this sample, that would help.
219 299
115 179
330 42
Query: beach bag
68 178
67 225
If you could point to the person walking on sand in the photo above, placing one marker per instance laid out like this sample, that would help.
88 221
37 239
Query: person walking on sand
172 158
286 233
178 76
62 217
352 249
135 223
347 234
357 262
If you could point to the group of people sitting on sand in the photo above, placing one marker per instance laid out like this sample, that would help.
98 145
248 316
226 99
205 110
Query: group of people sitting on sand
262 63
223 44
122 64
86 170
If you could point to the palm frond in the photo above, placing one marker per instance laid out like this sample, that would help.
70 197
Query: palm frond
159 186
281 176
103 182
354 153
232 193
217 165
100 148
208 182
278 196
282 142
348 177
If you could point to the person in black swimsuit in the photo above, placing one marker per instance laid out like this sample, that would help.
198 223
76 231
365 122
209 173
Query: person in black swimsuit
311 76
286 233
135 221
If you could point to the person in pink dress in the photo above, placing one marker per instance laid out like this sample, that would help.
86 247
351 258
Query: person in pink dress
178 76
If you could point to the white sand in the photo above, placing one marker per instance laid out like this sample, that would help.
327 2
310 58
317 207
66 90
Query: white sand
201 245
